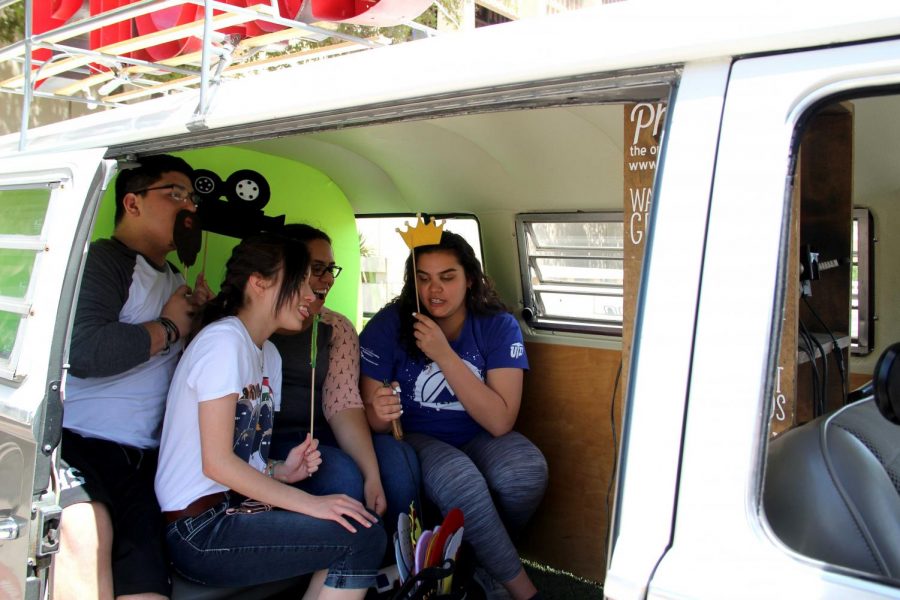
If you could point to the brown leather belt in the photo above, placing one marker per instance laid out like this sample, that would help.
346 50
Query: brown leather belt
197 507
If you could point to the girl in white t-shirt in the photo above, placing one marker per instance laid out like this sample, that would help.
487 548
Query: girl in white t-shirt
233 519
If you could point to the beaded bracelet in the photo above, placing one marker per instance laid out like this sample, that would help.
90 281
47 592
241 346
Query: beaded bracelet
270 467
172 332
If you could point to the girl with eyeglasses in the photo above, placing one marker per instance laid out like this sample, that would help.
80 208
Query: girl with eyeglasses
233 517
377 470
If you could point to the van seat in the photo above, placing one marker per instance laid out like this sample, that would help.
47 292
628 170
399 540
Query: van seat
832 489
182 589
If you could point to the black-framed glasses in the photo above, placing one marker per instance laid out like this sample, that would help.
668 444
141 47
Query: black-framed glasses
319 269
177 193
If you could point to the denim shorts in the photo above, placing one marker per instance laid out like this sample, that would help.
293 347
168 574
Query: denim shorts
121 478
220 549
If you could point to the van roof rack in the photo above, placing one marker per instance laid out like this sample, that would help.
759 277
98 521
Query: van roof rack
186 49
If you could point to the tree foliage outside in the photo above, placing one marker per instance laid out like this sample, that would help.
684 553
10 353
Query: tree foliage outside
12 23
393 35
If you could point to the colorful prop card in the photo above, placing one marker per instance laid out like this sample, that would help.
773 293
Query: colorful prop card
416 550
423 234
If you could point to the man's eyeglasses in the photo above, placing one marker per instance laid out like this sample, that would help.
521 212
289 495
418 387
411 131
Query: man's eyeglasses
178 193
319 269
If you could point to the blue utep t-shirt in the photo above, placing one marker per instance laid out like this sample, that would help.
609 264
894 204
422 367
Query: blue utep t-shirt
429 404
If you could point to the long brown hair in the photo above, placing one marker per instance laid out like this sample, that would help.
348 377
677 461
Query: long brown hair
481 297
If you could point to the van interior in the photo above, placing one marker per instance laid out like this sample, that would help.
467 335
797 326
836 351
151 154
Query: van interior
483 168
569 159
549 181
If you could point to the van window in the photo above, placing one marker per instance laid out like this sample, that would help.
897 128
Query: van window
831 463
383 254
572 270
24 209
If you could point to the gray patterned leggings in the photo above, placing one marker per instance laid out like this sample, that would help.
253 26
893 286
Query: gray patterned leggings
496 482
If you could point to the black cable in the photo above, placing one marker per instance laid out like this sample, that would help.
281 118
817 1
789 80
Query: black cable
824 381
814 370
836 350
615 464
803 346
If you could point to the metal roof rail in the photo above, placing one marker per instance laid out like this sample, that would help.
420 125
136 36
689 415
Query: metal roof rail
91 76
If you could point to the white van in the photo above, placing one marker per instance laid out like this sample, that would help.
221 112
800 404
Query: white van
681 201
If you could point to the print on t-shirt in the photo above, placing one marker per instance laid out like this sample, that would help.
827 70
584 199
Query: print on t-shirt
433 390
253 420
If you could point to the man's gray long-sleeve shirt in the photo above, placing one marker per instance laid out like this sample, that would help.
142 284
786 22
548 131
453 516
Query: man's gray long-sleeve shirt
115 390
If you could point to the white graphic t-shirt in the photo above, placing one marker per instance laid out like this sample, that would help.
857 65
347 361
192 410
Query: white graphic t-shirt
220 361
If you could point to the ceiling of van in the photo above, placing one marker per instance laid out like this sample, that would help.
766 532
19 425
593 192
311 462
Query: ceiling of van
567 158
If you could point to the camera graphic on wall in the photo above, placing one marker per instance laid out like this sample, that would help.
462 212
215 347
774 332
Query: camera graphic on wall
240 214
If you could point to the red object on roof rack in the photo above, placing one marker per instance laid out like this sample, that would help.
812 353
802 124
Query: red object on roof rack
59 12
166 19
381 13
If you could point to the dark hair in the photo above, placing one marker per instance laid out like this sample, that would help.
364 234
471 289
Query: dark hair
481 297
304 233
264 254
149 170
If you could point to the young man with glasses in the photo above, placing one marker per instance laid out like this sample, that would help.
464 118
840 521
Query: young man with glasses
133 312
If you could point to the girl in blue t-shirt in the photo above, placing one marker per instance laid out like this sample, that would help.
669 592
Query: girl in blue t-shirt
455 374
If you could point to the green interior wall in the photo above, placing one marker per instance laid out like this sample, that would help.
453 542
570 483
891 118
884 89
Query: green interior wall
301 193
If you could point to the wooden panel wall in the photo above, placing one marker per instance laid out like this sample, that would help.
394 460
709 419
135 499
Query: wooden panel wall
826 218
821 218
784 413
566 413
642 131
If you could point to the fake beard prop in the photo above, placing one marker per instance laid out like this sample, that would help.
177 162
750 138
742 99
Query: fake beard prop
188 237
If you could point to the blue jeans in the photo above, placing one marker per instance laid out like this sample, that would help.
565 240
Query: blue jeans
338 473
215 548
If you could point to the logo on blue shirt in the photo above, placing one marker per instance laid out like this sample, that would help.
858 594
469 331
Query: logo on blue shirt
516 349
433 390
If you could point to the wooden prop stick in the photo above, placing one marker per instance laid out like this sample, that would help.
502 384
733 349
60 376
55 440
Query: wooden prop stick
313 354
187 272
423 234
415 276
205 248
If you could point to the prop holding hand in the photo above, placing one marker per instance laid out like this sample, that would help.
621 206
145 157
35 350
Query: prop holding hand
201 293
302 461
430 338
387 406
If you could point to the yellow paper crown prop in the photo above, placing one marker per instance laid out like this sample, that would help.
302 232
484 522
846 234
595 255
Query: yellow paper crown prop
422 234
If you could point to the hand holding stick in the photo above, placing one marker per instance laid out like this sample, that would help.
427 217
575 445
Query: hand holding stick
396 428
